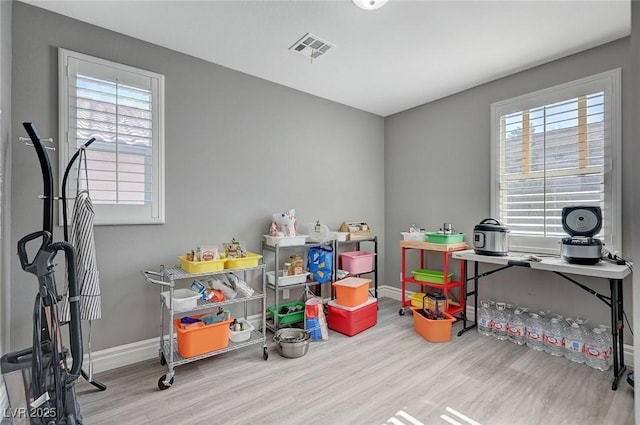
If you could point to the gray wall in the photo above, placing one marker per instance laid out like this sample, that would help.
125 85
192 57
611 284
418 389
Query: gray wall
5 167
437 164
238 148
635 157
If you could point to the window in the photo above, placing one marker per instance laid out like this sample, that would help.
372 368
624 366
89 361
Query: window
123 108
554 148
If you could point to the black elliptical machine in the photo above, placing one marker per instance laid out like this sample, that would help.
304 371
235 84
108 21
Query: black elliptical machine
49 385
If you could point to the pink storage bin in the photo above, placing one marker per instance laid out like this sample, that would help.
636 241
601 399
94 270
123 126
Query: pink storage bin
356 262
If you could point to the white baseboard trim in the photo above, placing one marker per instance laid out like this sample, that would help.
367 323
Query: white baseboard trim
127 354
396 294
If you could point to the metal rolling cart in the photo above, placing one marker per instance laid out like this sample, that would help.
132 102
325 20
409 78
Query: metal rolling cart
169 355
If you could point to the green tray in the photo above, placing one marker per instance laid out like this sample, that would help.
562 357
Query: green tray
286 319
435 237
430 276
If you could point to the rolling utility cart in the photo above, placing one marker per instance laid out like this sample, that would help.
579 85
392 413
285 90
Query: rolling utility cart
432 279
200 343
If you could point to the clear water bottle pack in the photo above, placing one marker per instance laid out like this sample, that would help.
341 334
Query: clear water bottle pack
574 342
516 327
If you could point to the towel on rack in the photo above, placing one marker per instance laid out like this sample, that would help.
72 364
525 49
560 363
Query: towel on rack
87 270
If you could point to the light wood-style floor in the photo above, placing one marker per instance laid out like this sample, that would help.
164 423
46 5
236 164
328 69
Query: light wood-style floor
385 375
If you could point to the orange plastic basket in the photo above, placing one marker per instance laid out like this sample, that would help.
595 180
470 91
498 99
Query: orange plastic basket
432 330
200 340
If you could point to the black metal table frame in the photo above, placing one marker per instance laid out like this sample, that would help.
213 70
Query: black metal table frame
614 301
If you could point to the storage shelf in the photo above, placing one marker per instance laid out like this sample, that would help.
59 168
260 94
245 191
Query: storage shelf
306 245
207 305
256 337
176 272
448 285
277 288
374 272
430 246
296 285
446 250
452 309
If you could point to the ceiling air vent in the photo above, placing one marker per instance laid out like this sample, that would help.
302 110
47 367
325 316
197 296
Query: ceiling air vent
311 46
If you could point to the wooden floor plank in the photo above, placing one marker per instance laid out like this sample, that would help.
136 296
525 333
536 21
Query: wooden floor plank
381 376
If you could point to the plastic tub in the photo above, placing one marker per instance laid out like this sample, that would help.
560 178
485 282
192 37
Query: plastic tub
285 240
430 276
433 330
357 262
352 320
244 334
288 318
352 291
435 237
183 299
413 236
201 340
286 280
251 260
195 267
341 236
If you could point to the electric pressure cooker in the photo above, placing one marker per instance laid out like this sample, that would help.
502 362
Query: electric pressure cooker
582 224
490 237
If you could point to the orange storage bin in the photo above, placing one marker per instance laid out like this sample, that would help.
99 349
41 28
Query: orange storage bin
352 291
432 330
199 340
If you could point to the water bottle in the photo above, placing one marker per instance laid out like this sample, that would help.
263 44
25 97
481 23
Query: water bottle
574 342
516 327
535 331
500 322
606 331
484 319
492 309
553 337
596 350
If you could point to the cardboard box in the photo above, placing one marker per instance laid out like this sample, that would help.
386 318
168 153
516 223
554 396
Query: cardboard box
356 230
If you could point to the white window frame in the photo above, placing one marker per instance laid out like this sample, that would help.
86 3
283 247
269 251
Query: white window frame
610 83
115 214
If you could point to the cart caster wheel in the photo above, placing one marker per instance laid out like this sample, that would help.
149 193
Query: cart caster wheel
265 354
161 383
401 312
163 361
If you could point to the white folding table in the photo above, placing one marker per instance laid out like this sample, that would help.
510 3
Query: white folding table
615 273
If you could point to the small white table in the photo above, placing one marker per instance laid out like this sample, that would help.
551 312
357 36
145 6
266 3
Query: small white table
615 273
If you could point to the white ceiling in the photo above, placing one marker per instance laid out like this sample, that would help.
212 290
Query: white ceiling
385 61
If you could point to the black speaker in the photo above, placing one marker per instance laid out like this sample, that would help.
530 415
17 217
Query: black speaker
582 221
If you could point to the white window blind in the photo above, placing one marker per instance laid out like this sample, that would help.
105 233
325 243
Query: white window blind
122 108
555 148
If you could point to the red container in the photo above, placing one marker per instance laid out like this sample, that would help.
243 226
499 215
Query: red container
352 320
